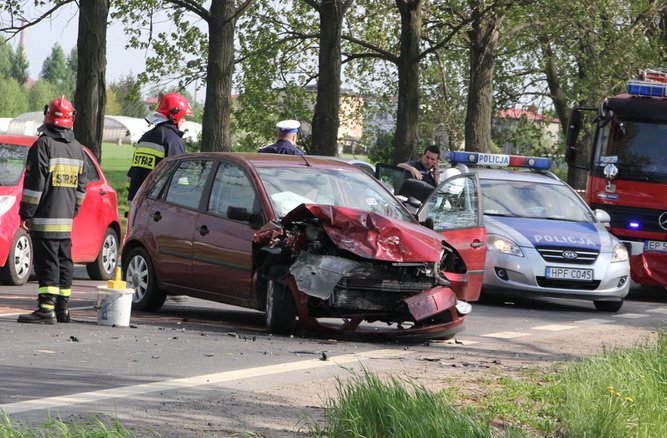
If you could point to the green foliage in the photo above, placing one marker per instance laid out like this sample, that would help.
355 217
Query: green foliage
382 149
96 427
57 69
41 93
127 101
13 64
13 98
367 406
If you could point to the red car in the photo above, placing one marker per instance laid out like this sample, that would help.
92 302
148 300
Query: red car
307 238
95 232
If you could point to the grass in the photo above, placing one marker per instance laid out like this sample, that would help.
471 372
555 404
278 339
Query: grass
116 160
53 428
616 394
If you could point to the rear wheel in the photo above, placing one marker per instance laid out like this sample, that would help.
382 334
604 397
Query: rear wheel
280 309
608 306
19 260
103 267
139 274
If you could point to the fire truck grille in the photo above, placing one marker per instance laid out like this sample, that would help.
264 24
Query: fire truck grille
646 218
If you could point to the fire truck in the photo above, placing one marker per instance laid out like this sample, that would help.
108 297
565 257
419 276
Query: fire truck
627 171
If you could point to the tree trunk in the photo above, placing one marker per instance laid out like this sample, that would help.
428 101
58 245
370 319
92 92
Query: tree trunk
90 96
407 113
326 119
216 135
555 88
479 109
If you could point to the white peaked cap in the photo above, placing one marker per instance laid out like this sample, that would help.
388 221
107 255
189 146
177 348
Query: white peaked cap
288 126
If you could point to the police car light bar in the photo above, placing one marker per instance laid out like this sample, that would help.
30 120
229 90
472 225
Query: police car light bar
647 88
482 159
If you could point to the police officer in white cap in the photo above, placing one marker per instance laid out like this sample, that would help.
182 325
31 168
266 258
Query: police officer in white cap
286 143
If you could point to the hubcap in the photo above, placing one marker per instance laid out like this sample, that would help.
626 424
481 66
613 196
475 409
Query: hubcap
22 257
137 276
109 253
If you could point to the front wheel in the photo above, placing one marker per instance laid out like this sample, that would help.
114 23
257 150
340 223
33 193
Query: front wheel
608 306
19 260
104 265
280 309
139 274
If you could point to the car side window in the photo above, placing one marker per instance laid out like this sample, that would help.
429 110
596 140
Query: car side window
160 181
188 182
232 189
454 204
91 170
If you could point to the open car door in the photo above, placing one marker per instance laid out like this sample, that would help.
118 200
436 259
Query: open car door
455 207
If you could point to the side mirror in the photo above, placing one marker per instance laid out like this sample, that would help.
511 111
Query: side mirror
428 222
573 127
603 217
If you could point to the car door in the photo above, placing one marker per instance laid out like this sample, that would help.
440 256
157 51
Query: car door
455 209
172 220
222 252
90 224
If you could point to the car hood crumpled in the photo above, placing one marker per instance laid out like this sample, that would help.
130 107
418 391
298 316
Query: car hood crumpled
372 235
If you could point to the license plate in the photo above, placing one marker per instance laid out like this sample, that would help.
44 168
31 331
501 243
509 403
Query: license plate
569 274
655 245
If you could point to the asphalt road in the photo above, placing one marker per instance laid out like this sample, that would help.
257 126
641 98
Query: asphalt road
184 369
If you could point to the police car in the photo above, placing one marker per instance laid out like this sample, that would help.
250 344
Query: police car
542 238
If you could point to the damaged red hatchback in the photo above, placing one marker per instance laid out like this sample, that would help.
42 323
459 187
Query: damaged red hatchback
314 243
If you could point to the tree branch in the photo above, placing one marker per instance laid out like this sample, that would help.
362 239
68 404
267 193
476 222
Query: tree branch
379 53
13 30
193 7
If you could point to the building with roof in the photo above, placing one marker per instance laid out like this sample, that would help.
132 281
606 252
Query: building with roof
117 129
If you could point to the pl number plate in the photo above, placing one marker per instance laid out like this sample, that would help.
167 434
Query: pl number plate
569 274
655 245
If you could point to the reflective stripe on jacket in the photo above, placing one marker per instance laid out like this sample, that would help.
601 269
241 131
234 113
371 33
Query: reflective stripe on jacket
54 185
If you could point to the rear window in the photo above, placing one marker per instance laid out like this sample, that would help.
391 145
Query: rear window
12 163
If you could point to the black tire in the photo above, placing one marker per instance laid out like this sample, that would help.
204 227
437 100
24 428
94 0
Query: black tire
608 306
104 266
280 309
139 274
19 260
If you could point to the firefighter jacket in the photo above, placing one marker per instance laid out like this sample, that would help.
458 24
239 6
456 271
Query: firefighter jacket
164 140
54 185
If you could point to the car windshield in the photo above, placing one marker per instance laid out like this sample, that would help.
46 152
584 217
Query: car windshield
533 200
12 163
631 146
289 187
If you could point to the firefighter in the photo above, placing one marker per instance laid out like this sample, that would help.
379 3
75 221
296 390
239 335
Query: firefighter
54 187
165 139
286 142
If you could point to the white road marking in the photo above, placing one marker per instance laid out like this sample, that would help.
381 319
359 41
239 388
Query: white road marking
662 310
554 327
593 321
189 382
505 335
631 315
451 343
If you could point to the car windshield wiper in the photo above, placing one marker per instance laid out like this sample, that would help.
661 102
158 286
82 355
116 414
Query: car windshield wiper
499 214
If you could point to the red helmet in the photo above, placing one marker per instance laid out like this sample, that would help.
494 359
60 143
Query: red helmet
60 113
174 106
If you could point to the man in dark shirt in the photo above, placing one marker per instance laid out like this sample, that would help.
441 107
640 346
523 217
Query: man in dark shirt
425 169
287 133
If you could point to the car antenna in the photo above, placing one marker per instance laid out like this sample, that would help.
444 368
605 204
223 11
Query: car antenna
304 159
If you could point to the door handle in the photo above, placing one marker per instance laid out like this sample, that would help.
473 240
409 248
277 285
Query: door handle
103 192
203 230
476 244
157 216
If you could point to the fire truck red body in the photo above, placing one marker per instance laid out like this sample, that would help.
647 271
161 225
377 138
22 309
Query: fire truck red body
628 171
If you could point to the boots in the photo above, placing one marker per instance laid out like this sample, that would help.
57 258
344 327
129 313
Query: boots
62 314
44 313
